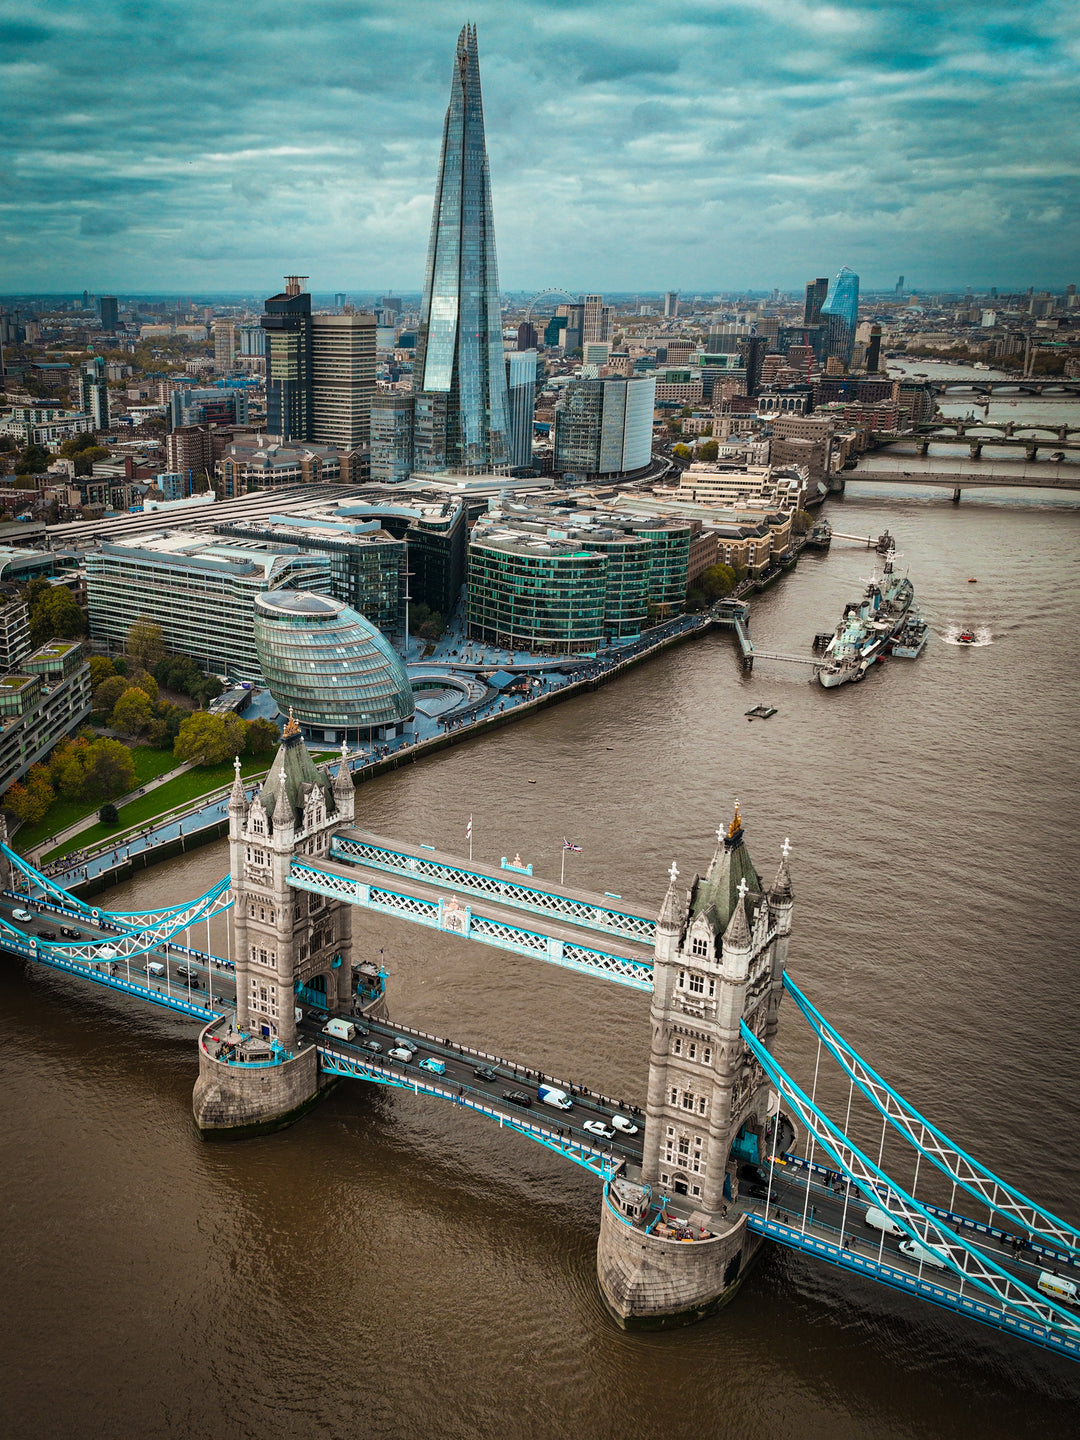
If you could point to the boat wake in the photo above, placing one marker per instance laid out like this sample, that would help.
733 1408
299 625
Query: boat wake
983 636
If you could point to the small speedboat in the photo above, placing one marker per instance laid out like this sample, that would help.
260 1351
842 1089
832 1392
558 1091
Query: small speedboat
966 637
972 580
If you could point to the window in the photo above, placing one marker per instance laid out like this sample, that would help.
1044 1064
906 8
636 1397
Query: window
697 984
676 1047
700 946
691 1051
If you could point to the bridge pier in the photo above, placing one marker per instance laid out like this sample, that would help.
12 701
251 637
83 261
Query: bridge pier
975 449
924 448
238 1098
956 495
650 1282
1031 451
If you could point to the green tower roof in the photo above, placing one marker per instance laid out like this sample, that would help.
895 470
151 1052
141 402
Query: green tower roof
294 764
718 893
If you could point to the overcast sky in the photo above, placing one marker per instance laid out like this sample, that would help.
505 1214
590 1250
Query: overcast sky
184 145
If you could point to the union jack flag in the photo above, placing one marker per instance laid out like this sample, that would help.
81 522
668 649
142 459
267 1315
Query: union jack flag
567 846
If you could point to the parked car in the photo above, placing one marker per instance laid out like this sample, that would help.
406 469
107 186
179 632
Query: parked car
597 1127
518 1097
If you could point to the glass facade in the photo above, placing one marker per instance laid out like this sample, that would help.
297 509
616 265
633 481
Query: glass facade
521 379
536 595
459 346
604 427
327 665
840 313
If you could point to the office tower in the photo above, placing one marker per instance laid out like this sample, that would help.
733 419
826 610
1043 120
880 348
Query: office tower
873 353
342 379
461 410
391 437
555 331
339 299
224 346
816 291
527 338
94 392
521 388
252 340
287 322
604 427
753 349
391 304
840 314
575 326
596 321
109 311
671 304
900 285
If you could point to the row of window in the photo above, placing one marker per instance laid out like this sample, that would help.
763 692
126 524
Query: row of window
691 1050
264 998
686 1151
687 1100
261 956
694 984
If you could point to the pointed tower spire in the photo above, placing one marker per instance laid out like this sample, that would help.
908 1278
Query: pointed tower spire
781 886
237 798
343 779
737 934
673 910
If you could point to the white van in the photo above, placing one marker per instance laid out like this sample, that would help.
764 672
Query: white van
558 1099
917 1252
882 1220
1051 1284
155 968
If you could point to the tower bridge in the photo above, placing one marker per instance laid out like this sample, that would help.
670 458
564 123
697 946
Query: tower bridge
696 1175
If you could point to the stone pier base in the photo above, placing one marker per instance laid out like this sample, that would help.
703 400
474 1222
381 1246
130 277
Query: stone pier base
233 1101
649 1282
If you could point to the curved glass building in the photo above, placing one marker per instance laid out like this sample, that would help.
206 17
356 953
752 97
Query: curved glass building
840 313
329 666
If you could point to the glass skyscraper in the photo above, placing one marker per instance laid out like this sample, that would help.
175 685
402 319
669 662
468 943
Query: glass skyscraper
459 353
841 315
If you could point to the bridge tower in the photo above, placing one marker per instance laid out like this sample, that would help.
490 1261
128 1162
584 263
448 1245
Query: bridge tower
720 953
285 942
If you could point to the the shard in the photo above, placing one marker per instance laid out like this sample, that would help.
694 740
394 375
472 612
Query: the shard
462 409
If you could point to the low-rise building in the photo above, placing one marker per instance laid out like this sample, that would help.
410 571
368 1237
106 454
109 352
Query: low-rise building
713 483
258 462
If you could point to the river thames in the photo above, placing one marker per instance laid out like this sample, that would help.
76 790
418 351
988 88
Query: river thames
390 1268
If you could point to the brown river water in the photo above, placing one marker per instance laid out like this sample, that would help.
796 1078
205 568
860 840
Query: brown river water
389 1268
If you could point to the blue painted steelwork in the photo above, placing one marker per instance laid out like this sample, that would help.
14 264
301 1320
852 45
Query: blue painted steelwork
637 974
43 955
336 1062
918 1222
1000 1319
966 1172
460 877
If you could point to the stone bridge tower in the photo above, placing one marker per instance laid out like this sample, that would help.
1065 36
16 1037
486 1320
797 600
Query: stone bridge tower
721 948
286 938
283 939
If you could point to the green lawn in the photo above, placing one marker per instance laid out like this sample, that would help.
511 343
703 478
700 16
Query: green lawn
148 764
170 796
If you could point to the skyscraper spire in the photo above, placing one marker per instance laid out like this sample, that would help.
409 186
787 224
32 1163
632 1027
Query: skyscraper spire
462 405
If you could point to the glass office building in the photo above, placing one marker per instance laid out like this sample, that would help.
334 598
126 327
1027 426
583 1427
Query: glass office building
840 314
604 427
544 596
459 353
330 668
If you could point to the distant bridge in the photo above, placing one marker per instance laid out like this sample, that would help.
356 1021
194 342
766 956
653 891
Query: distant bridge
1028 385
1035 475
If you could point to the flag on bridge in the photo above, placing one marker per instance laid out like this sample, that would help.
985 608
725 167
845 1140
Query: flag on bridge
468 829
567 846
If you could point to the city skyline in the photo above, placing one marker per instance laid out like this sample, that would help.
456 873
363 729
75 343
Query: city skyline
184 150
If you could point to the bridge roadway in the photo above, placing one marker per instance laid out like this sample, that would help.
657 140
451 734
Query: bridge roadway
967 475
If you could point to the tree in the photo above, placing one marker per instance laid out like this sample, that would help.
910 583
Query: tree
717 581
56 615
262 737
145 643
86 459
144 681
33 461
683 452
108 814
204 739
132 713
29 802
109 691
709 451
77 444
101 669
111 771
802 521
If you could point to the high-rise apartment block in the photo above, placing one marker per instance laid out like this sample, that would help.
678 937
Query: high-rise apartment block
840 313
461 409
224 346
596 324
94 392
521 387
391 437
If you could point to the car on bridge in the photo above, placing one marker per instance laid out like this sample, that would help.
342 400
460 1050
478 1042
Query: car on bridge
400 1052
46 934
625 1124
597 1127
518 1097
373 1046
21 915
402 1042
70 934
435 1066
484 1072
